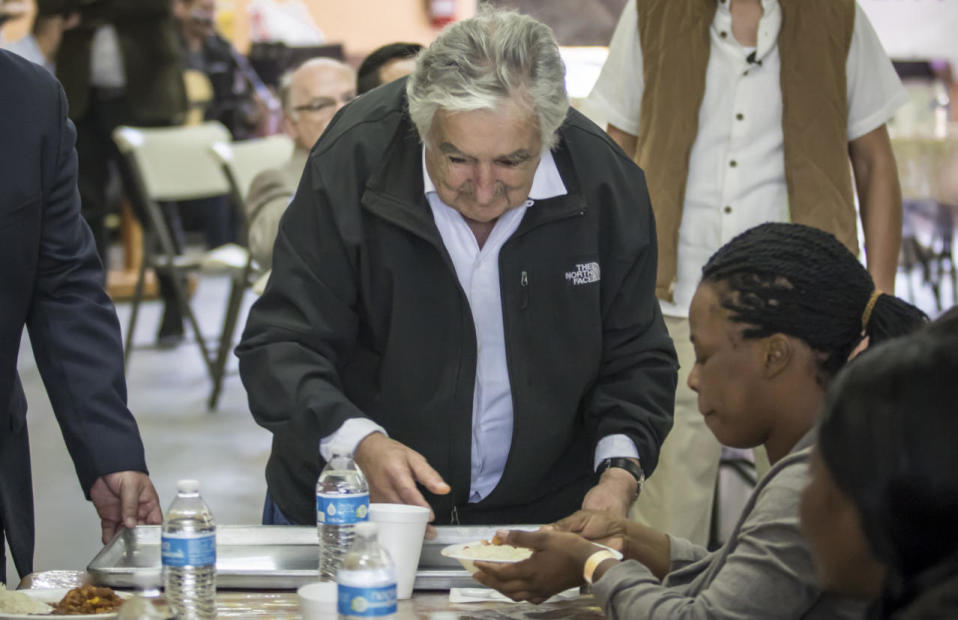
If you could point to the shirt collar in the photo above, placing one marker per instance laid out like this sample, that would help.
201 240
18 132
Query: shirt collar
546 183
768 26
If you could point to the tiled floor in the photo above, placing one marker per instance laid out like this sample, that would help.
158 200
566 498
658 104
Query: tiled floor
225 450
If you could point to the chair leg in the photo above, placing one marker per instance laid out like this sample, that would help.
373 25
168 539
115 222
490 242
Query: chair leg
226 338
181 299
137 299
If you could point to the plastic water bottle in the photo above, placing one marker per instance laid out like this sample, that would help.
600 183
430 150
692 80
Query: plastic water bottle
188 549
367 579
342 501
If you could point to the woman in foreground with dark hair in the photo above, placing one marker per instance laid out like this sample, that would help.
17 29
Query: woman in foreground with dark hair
778 312
881 512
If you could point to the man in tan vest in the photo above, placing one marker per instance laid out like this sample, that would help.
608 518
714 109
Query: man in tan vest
742 112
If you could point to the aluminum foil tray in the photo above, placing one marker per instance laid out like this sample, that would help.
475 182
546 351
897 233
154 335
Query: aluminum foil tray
272 557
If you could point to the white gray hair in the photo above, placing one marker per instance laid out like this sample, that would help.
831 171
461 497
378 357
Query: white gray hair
477 63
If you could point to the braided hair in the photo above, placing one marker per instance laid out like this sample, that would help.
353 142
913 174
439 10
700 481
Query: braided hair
800 281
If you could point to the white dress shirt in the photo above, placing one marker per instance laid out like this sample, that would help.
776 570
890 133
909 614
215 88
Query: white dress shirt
106 59
736 177
28 48
477 270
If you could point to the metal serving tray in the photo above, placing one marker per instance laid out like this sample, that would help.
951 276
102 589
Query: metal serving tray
273 557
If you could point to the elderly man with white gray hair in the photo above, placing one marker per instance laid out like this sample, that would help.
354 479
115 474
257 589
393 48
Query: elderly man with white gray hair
463 296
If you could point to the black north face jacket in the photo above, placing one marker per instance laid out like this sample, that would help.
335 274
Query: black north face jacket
364 316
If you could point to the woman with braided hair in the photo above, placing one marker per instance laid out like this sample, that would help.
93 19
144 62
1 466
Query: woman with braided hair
778 312
881 511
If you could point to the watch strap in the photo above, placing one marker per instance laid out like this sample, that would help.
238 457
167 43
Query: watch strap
623 463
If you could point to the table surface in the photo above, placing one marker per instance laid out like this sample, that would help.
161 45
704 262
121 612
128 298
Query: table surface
284 604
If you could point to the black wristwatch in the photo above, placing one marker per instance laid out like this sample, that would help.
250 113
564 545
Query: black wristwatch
623 463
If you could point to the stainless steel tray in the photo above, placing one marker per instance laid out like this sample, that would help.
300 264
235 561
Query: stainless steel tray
273 557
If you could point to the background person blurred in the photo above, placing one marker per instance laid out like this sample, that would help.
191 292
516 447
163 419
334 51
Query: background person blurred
52 284
385 64
742 112
10 9
120 66
881 511
777 313
310 96
240 99
40 45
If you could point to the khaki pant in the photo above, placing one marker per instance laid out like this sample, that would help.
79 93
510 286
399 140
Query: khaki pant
678 496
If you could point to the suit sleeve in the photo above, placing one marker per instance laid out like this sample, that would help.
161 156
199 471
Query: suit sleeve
73 325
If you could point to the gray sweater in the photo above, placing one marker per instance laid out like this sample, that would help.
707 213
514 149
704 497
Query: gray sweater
765 570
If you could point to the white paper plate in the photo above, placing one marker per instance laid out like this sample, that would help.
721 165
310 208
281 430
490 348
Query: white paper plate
460 553
53 596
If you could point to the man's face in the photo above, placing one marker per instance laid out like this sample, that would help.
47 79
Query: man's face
482 162
198 17
316 94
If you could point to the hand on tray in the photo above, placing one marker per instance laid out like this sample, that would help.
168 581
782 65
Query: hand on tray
125 498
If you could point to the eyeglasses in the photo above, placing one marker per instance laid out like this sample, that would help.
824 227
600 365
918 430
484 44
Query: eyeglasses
321 103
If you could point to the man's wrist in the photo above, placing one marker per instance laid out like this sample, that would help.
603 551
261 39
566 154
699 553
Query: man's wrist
631 466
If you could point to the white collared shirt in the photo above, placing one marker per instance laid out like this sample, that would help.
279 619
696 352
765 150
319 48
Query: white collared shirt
736 176
477 270
106 59
27 47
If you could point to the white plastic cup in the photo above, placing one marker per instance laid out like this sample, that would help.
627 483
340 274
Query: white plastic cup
402 529
317 601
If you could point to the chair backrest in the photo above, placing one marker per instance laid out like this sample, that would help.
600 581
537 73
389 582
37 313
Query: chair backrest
244 159
176 163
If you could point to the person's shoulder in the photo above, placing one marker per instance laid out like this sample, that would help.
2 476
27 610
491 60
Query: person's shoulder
25 75
369 121
30 91
585 138
779 491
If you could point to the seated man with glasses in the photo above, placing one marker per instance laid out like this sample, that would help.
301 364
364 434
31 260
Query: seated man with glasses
310 95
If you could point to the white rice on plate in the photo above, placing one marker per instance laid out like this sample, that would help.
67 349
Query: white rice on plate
12 602
494 553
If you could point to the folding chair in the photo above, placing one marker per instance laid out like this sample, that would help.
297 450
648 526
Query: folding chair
176 164
241 162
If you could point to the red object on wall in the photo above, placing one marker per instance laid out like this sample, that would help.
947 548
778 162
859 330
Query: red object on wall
441 12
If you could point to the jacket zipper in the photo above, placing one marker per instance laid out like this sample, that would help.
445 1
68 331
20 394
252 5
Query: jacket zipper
524 290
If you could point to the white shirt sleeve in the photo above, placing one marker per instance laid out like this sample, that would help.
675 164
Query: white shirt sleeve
349 434
617 94
874 90
612 446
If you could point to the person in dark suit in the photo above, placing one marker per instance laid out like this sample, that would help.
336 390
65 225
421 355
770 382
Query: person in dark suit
50 282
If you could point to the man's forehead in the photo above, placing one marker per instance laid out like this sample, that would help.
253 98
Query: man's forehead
323 81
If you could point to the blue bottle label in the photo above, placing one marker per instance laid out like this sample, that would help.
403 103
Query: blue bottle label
333 509
369 602
180 550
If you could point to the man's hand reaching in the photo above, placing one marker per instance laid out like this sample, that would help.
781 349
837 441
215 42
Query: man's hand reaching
392 471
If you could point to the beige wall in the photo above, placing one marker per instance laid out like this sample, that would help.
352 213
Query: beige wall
360 25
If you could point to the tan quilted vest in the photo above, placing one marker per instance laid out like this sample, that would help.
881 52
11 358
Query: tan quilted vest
813 44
